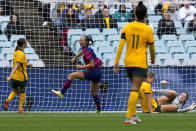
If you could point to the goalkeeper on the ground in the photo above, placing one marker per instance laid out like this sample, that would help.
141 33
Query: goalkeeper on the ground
168 102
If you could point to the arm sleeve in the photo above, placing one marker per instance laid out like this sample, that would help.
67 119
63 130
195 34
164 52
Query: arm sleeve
120 47
148 89
182 110
151 44
20 58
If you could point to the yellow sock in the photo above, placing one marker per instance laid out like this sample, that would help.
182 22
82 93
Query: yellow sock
12 95
132 104
21 100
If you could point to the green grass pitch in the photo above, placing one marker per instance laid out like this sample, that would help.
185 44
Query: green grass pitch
95 122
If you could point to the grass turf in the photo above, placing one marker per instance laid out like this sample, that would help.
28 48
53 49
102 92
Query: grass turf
95 122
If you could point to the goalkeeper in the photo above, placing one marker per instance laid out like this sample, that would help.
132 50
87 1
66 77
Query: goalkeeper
169 102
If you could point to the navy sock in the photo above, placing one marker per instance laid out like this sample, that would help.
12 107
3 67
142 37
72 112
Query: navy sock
67 84
97 102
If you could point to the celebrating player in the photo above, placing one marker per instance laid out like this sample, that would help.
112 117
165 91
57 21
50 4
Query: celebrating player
166 103
18 76
138 37
92 73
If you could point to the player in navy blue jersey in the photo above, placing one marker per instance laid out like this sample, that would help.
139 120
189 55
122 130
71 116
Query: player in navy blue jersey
93 73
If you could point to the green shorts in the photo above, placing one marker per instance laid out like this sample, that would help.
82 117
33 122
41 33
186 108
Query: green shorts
136 72
15 84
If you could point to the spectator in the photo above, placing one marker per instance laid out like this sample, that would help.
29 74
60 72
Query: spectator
192 26
166 26
108 21
81 11
6 8
99 13
186 13
69 21
122 15
161 8
174 12
14 27
89 21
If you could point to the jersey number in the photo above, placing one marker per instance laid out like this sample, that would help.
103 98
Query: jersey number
137 41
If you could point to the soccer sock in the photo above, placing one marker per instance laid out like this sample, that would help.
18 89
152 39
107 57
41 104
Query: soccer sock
162 92
21 100
12 95
132 104
67 84
97 102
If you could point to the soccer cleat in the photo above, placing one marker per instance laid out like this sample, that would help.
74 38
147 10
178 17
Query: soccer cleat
6 104
98 112
138 120
130 121
21 111
57 93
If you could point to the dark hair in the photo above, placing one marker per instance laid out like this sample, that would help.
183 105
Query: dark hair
16 17
186 98
140 11
20 42
88 39
150 74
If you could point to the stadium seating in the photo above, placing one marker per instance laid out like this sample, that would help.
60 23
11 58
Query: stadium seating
191 50
37 63
150 12
29 51
92 31
184 38
173 44
168 38
121 25
161 50
9 57
32 57
113 38
14 38
107 32
4 64
4 19
156 38
7 50
1 57
3 38
5 44
154 18
98 38
176 50
189 44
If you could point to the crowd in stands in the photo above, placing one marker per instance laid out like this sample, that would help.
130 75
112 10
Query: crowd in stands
108 15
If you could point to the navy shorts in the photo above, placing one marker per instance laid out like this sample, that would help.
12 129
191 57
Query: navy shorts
93 74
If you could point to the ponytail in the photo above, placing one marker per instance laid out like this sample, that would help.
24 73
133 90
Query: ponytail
20 42
88 39
140 11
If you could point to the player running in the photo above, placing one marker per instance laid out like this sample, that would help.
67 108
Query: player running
92 73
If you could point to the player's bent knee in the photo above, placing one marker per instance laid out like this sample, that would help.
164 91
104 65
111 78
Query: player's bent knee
22 90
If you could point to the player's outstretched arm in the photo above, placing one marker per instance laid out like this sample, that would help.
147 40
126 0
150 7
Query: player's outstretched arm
75 57
190 108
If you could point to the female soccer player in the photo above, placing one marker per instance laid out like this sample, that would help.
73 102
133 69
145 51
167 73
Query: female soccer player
166 103
92 73
18 76
138 37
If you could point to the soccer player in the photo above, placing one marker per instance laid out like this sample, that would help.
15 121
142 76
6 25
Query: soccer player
138 37
92 73
166 103
18 76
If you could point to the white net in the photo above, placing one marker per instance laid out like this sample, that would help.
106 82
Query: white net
53 28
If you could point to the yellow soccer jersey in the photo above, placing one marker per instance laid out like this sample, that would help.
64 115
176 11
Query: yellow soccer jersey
137 36
146 89
20 74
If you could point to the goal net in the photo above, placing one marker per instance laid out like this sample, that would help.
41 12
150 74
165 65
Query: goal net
53 29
